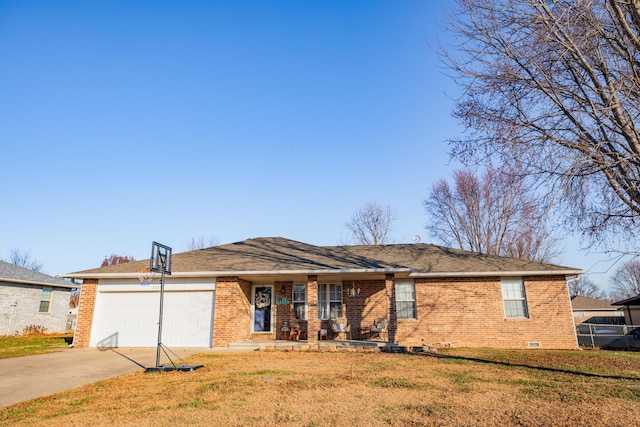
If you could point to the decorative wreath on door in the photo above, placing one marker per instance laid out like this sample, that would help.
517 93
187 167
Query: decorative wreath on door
263 299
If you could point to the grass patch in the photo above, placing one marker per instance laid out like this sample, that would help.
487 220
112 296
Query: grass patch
29 345
386 382
471 388
265 372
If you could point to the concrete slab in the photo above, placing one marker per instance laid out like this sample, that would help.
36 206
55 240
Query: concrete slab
29 377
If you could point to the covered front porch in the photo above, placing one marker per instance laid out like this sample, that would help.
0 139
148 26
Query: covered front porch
306 308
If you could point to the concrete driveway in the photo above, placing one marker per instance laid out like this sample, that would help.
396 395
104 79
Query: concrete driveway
29 377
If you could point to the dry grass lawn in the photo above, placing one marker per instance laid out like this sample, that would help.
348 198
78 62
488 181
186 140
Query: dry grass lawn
468 388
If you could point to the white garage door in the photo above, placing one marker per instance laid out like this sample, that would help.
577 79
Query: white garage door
130 319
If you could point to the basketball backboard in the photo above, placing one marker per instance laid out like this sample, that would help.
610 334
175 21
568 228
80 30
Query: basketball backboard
160 258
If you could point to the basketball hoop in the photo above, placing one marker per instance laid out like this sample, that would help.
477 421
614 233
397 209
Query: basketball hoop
145 275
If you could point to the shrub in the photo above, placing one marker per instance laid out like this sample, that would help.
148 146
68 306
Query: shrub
34 330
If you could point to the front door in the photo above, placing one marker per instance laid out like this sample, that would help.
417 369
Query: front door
262 313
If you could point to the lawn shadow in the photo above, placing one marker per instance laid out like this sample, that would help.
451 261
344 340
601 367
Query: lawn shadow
538 368
128 358
110 343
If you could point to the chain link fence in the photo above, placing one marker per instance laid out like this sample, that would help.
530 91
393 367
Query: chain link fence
609 336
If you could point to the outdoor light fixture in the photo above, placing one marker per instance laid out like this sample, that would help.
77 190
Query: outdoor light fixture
353 292
283 289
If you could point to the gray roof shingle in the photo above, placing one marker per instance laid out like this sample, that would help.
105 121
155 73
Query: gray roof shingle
280 255
586 303
13 273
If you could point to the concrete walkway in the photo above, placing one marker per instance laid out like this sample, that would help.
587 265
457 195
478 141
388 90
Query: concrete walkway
29 377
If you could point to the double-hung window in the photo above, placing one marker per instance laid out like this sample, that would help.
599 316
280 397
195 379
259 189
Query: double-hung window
514 297
329 301
405 300
45 300
300 301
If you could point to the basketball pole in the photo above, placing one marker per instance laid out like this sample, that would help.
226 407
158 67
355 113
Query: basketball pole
160 262
160 319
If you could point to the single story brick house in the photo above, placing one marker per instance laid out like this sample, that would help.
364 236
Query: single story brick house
28 297
247 290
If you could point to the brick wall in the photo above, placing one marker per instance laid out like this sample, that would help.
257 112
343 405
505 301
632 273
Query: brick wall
470 313
26 311
85 313
463 312
232 313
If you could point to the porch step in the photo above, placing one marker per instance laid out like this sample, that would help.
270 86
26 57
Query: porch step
257 345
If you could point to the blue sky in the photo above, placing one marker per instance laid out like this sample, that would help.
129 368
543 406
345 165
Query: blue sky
124 122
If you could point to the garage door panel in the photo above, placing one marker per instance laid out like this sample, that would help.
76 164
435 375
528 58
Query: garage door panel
130 319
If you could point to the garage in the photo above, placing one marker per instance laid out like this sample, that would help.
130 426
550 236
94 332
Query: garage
126 315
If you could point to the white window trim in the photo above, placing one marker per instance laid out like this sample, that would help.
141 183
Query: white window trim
514 280
306 300
415 306
328 300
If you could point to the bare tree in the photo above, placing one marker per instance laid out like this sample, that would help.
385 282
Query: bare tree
625 282
201 243
24 259
372 224
495 214
584 287
553 88
116 259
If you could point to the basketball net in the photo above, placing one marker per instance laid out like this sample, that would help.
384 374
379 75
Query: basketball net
145 275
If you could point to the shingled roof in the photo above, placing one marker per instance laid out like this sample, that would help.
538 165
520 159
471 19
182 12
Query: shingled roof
277 255
12 273
586 303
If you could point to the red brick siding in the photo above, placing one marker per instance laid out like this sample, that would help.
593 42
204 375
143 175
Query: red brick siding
470 313
232 313
86 309
370 304
313 324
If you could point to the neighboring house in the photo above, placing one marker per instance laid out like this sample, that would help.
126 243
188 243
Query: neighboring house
631 308
247 291
596 311
31 298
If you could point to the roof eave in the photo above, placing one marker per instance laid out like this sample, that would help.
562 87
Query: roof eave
567 272
412 273
38 283
242 273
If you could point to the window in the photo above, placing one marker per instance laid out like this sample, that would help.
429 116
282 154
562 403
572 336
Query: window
514 298
405 300
45 300
300 301
329 301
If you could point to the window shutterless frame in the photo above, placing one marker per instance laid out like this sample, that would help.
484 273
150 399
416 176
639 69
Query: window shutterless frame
514 298
405 300
329 301
300 301
45 300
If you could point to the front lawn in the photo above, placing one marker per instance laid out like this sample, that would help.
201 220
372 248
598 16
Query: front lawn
461 387
12 346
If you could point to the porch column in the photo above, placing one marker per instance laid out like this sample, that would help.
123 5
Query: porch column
86 308
389 284
313 324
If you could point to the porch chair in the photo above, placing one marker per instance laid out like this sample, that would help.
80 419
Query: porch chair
295 331
379 328
339 326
